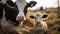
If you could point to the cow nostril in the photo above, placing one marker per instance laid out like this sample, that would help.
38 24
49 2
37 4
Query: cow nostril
20 17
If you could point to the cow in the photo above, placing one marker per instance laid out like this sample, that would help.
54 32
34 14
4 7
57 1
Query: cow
15 12
39 20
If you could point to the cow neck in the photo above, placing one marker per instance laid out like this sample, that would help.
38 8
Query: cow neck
10 4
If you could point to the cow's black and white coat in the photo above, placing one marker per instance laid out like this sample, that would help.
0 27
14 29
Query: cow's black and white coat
12 12
1 11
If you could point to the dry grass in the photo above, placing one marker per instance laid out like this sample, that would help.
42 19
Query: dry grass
52 21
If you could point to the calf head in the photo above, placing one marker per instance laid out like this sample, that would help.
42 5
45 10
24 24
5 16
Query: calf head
38 17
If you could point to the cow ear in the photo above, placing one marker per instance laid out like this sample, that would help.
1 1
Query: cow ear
32 3
32 17
44 16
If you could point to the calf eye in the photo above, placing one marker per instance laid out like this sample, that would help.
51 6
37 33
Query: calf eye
32 17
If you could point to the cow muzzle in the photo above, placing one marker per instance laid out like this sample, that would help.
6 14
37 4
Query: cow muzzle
20 18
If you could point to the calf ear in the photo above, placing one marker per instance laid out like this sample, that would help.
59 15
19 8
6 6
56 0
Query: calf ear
44 16
32 17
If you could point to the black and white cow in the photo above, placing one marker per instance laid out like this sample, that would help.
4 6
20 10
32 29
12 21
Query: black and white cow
14 12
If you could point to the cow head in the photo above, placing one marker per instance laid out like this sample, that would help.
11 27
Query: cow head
23 9
17 15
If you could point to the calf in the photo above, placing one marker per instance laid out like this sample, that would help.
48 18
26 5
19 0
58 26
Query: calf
14 12
38 20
